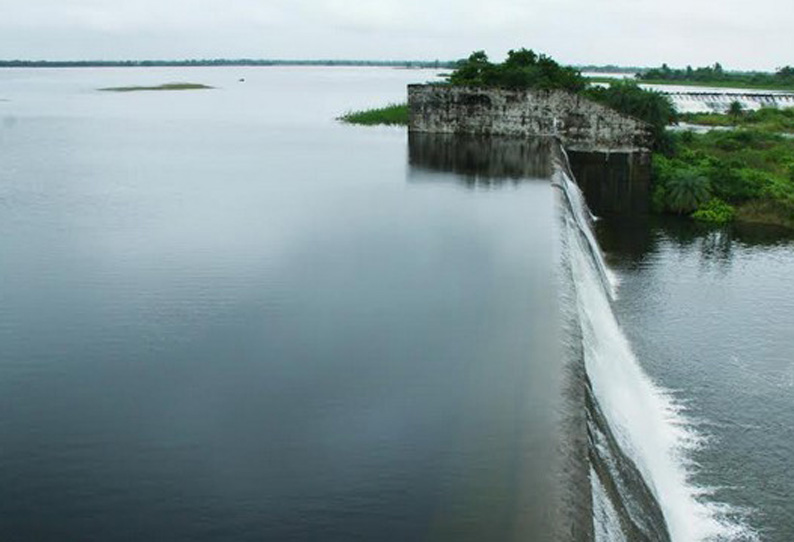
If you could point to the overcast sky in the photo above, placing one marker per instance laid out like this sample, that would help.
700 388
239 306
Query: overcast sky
739 33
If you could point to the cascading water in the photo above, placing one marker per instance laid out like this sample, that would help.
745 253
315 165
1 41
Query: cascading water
639 438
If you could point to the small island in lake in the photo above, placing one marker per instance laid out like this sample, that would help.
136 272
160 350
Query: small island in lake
166 86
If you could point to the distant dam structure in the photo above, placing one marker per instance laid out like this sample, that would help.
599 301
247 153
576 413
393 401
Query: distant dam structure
718 101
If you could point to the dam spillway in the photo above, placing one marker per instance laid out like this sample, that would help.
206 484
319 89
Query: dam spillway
625 442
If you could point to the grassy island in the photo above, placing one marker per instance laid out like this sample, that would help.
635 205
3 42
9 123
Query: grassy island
166 86
391 115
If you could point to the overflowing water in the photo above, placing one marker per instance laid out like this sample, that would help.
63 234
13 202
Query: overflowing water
640 436
705 100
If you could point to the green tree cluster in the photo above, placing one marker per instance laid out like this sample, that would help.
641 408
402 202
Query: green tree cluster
653 107
522 69
722 174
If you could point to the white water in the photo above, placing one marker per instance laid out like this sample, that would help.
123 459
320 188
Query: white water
649 426
698 104
584 223
606 521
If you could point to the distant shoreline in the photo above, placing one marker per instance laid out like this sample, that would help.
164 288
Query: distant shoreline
430 64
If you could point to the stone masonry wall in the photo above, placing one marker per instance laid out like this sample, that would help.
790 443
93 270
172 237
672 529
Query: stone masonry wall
581 124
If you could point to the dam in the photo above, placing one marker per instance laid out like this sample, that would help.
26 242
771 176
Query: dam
608 152
634 458
621 464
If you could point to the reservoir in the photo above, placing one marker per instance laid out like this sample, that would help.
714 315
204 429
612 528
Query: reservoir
224 315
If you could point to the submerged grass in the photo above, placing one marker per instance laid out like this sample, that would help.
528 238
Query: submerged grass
166 86
391 115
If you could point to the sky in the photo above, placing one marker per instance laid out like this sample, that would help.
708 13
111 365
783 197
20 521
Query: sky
738 33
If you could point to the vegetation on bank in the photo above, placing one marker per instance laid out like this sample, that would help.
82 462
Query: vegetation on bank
731 84
166 86
746 174
735 85
717 76
766 119
391 115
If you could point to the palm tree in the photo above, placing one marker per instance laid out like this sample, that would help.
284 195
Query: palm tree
687 191
735 110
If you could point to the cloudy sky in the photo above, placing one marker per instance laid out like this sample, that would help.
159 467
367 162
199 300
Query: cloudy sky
739 33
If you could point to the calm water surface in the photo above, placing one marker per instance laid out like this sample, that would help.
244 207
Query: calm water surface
225 316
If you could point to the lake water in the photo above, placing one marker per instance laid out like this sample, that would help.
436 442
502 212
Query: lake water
226 316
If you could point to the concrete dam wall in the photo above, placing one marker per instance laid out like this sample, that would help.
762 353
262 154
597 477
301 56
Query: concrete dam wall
609 152
581 124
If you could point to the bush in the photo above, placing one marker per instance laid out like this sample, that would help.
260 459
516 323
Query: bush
394 114
687 190
715 211
650 106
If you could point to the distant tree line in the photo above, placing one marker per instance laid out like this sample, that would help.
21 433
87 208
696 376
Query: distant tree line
783 77
221 62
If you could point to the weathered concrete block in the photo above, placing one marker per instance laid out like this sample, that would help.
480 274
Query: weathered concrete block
580 124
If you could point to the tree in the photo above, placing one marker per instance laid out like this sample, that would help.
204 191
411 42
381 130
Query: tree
786 72
472 71
521 58
735 110
687 191
650 106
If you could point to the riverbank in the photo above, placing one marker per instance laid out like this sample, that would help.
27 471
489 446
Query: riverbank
766 119
745 174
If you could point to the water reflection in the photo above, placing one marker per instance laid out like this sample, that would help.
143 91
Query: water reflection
479 161
615 184
634 240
